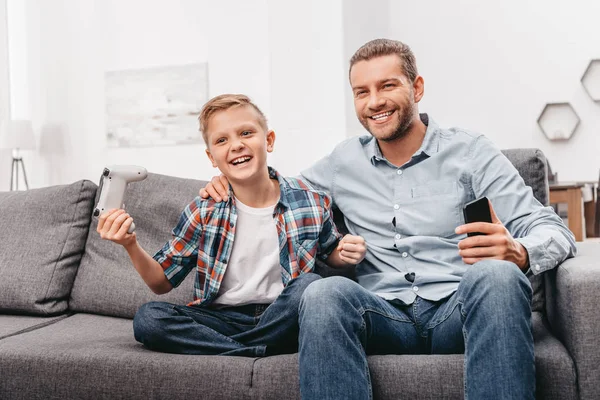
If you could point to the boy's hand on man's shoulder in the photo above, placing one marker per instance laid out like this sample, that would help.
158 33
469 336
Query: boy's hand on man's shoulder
217 189
352 249
113 226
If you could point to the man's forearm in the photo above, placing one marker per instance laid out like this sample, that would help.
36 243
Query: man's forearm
149 269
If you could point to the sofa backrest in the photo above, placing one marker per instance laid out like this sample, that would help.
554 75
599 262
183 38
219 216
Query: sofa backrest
106 281
533 168
42 239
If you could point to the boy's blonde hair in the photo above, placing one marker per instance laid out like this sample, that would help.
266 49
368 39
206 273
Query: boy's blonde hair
225 102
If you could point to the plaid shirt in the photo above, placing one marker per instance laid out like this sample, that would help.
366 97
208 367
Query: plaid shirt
204 237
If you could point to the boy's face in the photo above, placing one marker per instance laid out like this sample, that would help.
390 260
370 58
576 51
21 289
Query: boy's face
238 144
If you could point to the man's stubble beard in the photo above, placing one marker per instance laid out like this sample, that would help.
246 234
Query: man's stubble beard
405 121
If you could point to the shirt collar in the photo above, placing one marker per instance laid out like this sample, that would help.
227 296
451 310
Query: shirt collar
284 190
429 146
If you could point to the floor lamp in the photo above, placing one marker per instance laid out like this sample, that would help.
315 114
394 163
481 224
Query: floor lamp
17 135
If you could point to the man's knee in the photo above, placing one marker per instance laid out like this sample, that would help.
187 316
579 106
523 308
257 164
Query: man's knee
498 276
328 293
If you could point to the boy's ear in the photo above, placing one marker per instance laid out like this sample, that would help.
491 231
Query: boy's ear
270 141
210 157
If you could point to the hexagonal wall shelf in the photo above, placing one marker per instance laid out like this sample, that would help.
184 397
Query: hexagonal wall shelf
591 80
558 121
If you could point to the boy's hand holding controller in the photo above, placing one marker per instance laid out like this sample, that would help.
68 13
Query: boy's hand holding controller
114 225
113 183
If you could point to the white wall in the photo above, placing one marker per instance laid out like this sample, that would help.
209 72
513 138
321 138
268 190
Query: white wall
489 67
492 66
286 56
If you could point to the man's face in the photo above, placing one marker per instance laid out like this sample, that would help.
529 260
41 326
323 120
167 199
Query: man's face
238 143
384 98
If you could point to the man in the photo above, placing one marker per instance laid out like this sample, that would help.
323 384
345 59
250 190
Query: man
424 287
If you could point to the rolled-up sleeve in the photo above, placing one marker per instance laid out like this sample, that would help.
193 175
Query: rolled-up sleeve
180 254
543 234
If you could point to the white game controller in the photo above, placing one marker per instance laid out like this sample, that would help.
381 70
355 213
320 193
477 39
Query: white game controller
113 183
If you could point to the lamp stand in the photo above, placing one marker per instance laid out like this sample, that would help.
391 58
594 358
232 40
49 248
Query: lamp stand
17 161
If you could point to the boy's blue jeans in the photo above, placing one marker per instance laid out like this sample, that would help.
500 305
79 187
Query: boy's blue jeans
488 318
253 330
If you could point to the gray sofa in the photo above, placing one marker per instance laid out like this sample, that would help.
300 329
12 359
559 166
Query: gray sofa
67 299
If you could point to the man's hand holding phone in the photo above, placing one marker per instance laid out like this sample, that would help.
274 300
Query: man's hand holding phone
488 240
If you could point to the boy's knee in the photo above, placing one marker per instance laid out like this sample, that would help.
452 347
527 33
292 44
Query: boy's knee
145 326
302 281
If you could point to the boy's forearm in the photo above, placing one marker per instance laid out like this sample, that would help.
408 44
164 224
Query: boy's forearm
149 269
334 260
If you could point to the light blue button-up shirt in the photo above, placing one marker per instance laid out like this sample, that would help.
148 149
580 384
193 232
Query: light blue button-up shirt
407 214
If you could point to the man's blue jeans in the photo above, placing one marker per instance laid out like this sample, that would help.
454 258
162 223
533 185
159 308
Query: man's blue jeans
253 330
488 318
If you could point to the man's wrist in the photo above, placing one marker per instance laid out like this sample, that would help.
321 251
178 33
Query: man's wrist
523 262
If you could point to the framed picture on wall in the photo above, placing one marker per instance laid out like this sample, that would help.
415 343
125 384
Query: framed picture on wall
155 106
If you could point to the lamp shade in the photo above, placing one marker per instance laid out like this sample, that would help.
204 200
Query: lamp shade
17 134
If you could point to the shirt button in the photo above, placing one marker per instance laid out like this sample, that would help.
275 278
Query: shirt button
405 254
416 288
399 172
398 236
537 267
396 206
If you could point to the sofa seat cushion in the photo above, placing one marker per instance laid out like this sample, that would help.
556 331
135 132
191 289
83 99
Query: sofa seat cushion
107 282
96 357
11 325
425 376
41 242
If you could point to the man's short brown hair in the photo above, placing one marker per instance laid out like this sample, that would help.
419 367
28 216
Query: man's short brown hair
225 102
385 47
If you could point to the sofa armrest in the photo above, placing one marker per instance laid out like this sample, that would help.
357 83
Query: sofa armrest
572 301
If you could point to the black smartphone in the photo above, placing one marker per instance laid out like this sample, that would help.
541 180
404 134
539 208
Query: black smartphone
477 211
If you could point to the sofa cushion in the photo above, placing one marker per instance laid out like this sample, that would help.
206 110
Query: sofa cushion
107 282
95 357
41 241
11 325
533 168
426 376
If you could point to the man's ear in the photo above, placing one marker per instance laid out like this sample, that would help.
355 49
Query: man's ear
210 157
418 88
270 141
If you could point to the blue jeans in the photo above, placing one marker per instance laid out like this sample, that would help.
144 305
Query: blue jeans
488 319
252 330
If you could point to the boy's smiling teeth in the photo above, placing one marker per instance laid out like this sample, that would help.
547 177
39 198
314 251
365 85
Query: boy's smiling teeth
381 115
240 160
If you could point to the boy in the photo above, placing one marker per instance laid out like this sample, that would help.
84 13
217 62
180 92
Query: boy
254 254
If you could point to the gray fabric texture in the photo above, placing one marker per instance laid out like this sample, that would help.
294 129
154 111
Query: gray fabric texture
425 376
533 168
575 316
107 282
42 241
16 324
96 357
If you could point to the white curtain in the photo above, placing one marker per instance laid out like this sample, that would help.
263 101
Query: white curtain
4 76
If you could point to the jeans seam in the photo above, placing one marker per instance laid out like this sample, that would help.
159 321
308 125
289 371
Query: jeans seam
365 310
225 318
363 328
464 330
444 317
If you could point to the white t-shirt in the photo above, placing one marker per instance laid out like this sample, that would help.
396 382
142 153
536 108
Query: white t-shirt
253 274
